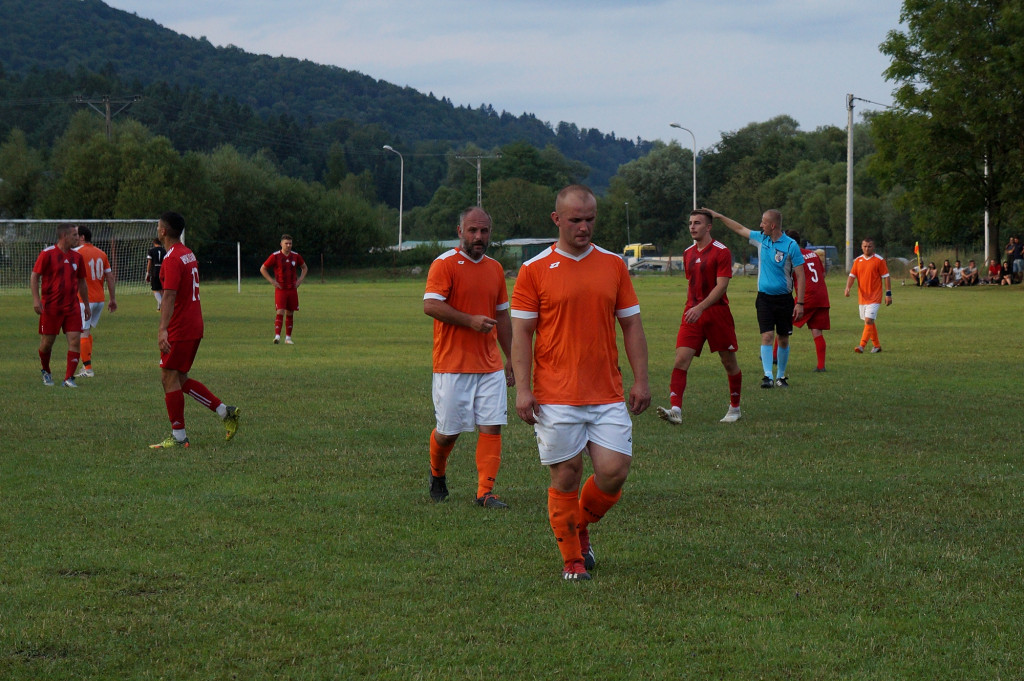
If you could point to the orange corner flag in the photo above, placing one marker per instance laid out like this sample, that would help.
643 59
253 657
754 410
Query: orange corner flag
916 250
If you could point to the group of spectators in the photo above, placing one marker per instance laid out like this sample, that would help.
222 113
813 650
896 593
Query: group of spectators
1010 271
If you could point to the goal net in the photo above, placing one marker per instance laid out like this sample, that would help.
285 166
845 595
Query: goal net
126 243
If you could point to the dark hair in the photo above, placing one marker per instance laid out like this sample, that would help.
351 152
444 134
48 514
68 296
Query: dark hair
85 232
63 228
703 211
174 222
794 235
286 237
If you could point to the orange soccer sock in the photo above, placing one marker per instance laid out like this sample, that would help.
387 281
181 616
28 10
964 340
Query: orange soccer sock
564 515
874 336
594 503
438 456
86 351
866 336
488 460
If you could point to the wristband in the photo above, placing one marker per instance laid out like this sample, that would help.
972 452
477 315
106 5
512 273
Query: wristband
799 302
889 293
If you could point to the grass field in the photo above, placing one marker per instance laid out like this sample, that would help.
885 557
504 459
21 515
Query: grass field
865 524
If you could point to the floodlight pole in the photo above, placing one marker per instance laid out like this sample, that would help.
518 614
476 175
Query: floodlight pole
401 191
694 138
849 182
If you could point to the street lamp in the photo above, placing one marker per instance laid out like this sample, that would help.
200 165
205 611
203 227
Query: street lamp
401 191
676 125
628 240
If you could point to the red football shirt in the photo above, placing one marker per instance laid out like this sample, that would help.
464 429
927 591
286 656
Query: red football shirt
703 268
180 272
285 267
59 274
815 291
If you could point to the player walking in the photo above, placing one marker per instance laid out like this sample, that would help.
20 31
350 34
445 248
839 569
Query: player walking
60 273
181 331
816 303
871 274
286 285
97 271
707 317
467 298
568 384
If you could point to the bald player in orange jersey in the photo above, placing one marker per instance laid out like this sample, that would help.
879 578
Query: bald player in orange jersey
467 297
872 275
97 271
568 384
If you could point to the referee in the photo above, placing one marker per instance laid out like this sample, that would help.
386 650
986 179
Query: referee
779 264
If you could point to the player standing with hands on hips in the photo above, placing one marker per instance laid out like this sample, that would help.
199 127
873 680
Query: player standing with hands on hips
780 263
565 305
467 298
181 331
286 285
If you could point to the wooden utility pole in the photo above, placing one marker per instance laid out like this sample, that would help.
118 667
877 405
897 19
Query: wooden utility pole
107 101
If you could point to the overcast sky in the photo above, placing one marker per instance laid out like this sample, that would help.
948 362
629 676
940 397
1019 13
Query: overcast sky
625 66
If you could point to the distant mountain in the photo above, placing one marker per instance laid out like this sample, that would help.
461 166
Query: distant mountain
70 35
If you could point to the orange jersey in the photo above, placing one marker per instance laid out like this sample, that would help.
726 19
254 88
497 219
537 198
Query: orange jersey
870 274
473 288
96 268
575 301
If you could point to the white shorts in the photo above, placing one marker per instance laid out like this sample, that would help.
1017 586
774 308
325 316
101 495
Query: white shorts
464 401
95 310
564 430
869 311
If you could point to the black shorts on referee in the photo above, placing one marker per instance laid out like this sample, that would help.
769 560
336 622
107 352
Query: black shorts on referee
775 313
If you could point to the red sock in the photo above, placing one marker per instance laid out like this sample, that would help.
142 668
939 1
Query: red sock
735 383
44 360
289 321
819 348
564 515
677 386
72 364
175 402
87 351
438 456
200 393
488 461
277 324
594 503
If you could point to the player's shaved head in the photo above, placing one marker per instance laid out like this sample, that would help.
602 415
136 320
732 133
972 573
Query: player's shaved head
573 190
774 216
473 212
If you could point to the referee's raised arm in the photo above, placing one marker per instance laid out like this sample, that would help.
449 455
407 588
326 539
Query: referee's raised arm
730 223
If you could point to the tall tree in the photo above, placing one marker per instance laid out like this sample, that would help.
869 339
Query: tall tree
959 71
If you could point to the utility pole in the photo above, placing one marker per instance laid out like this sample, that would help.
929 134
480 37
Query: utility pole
479 195
107 101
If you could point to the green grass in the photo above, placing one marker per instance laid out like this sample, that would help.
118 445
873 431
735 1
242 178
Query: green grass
864 524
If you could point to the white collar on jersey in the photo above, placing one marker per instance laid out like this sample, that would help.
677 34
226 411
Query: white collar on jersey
577 258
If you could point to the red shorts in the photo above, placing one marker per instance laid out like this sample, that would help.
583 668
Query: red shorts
181 356
69 320
714 326
816 318
286 299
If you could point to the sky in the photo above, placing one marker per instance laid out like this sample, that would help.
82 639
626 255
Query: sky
628 67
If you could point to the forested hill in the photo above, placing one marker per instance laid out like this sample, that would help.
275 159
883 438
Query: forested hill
69 35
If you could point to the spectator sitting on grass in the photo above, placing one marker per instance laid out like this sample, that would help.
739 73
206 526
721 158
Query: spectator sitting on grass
958 273
994 272
969 277
931 275
1006 274
946 274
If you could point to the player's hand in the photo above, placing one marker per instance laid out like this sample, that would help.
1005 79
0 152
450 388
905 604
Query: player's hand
112 305
798 315
692 315
162 342
482 323
146 278
639 398
510 376
38 307
846 293
87 312
526 405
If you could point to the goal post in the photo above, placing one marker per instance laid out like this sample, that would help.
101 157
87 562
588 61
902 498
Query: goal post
126 243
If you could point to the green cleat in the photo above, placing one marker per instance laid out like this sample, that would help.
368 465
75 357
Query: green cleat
231 422
170 443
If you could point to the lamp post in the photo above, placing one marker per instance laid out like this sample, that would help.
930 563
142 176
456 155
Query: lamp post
694 137
401 191
628 240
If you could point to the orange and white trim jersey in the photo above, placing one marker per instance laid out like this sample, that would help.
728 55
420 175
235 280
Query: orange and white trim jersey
96 267
870 274
473 288
576 301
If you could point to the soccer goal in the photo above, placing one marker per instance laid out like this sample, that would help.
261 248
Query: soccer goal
126 243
